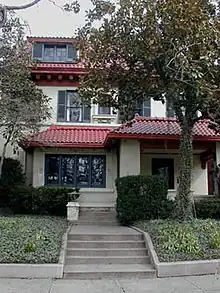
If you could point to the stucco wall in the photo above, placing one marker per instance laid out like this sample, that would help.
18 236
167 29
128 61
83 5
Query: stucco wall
88 195
129 157
199 175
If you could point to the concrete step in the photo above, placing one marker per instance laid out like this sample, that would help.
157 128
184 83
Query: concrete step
105 237
105 244
97 223
108 260
89 271
107 252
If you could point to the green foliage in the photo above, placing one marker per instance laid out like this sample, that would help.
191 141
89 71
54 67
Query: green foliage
39 201
175 241
141 198
161 49
31 239
208 208
12 173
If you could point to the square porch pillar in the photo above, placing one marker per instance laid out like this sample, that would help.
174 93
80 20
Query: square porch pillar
129 158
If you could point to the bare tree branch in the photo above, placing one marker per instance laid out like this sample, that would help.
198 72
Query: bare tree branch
23 6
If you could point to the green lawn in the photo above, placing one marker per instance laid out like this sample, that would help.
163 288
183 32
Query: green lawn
31 239
173 241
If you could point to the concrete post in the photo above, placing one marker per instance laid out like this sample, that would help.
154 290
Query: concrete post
129 158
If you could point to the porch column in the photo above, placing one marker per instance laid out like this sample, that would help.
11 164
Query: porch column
217 153
129 158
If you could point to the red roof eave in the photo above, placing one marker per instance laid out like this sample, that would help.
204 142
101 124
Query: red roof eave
154 137
65 145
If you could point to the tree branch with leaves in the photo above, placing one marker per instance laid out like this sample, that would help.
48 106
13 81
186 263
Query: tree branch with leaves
161 49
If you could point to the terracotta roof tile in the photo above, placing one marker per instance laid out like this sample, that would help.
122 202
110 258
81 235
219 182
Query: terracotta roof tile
164 127
68 136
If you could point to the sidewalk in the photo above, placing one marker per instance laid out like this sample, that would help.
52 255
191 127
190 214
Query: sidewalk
205 284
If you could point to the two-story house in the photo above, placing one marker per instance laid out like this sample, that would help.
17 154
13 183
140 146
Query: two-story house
86 147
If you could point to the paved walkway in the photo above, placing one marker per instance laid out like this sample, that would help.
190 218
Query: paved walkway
206 284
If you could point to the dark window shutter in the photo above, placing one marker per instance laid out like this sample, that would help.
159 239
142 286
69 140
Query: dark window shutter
61 108
86 113
71 53
37 51
170 111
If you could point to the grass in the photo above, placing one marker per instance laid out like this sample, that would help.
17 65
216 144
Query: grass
174 241
31 239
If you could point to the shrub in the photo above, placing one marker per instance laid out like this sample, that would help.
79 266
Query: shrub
39 201
142 198
12 174
208 208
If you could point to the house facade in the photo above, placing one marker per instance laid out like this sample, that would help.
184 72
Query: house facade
87 147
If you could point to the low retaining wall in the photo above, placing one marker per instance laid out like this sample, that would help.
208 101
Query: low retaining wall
179 268
37 271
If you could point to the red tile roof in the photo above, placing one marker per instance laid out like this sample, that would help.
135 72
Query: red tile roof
162 127
51 39
68 136
99 137
59 67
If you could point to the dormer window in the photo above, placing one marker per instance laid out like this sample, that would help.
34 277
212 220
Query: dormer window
54 52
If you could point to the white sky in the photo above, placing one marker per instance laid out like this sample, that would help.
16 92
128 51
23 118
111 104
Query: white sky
45 19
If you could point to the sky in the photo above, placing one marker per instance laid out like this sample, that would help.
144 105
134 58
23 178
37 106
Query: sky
46 19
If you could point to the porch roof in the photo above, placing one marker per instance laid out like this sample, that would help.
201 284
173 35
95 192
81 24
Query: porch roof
100 137
161 128
69 136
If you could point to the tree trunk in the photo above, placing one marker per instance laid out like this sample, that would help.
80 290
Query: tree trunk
183 199
2 158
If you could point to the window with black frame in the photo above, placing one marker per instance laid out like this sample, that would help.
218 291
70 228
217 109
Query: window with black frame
75 170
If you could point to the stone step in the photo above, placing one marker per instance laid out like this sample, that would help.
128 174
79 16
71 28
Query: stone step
107 252
105 237
108 260
105 244
85 272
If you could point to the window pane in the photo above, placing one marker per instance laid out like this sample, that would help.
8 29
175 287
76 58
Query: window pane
52 170
68 170
61 53
86 113
104 110
82 172
74 107
49 52
164 168
37 50
147 103
146 112
98 171
74 114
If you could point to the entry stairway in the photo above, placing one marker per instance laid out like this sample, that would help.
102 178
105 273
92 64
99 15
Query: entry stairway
101 250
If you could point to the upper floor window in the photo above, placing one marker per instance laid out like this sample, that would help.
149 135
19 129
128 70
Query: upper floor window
70 108
169 109
54 53
144 108
104 110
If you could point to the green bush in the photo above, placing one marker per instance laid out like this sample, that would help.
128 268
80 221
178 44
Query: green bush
12 175
208 208
142 198
39 201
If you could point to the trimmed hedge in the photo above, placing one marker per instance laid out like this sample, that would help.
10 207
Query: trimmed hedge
39 201
142 198
208 208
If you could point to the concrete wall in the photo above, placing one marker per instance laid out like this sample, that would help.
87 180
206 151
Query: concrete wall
199 175
129 157
88 195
